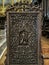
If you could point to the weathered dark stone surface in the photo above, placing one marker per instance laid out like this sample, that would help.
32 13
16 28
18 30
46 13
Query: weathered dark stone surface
22 39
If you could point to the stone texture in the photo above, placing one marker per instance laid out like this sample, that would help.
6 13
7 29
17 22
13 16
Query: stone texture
22 39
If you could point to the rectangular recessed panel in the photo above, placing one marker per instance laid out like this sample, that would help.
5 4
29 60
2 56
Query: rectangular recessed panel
23 39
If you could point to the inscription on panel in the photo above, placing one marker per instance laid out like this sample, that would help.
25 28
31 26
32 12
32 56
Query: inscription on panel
23 46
